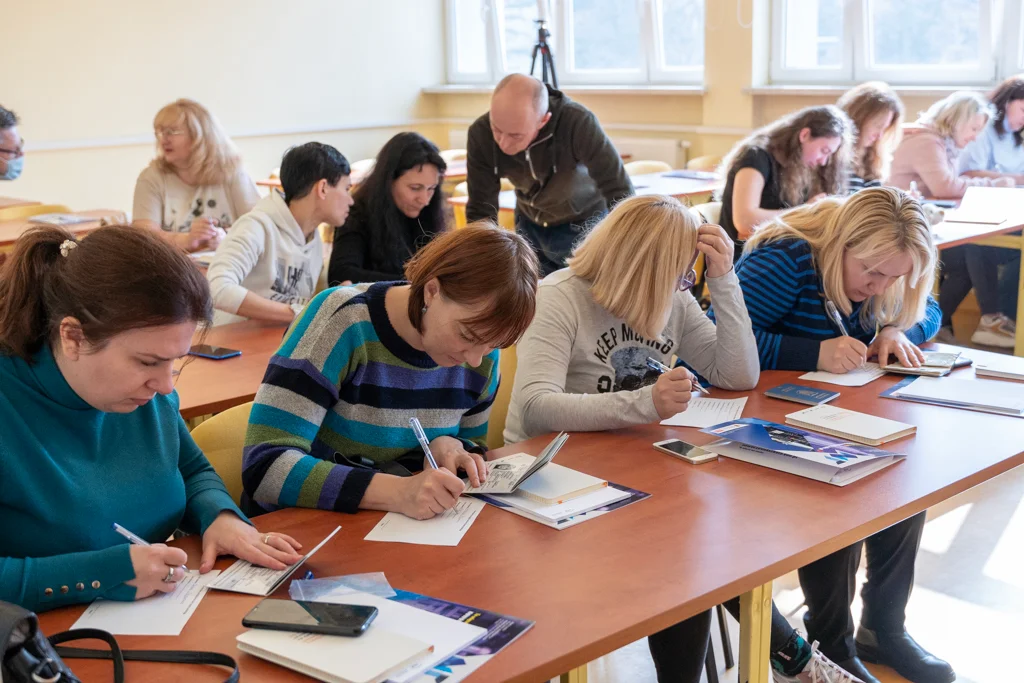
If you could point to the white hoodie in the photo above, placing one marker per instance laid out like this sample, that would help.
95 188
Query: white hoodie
265 253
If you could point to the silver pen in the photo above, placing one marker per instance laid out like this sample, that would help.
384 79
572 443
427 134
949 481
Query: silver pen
833 312
658 366
135 539
421 436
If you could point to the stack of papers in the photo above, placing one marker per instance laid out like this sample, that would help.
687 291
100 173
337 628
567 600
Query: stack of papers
704 412
987 396
936 364
245 577
1007 367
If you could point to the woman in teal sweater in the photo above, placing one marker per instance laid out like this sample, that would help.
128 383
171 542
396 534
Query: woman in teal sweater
90 432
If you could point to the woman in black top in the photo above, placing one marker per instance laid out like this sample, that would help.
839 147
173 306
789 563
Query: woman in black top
398 210
798 159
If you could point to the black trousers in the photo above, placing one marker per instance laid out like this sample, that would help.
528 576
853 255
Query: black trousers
992 272
830 583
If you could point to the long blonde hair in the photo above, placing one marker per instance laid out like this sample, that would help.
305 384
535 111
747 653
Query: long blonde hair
863 103
781 139
634 257
213 158
954 110
873 225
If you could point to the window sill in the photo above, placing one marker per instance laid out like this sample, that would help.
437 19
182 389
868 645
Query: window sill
696 90
836 90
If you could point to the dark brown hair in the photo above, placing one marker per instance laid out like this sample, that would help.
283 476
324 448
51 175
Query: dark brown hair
1009 90
478 263
118 278
781 139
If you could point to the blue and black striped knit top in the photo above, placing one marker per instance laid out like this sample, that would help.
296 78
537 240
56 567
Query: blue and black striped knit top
783 293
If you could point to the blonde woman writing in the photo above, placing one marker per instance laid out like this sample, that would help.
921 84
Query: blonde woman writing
196 187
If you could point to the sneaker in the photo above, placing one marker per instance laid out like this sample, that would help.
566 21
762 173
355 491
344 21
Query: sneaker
995 329
945 335
820 669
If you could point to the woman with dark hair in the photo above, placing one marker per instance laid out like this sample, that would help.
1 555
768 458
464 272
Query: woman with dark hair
89 427
398 210
998 150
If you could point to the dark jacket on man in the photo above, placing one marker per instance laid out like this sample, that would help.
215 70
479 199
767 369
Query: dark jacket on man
569 173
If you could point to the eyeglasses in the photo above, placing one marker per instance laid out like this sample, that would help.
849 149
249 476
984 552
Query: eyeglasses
167 132
687 281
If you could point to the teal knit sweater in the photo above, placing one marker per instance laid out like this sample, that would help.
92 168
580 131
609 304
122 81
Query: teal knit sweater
69 471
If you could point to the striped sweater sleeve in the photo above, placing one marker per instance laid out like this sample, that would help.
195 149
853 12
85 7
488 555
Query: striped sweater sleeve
927 327
300 387
473 425
772 280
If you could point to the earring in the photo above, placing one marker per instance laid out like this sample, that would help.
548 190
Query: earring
424 309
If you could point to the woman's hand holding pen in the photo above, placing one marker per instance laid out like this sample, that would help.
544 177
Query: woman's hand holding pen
672 392
840 355
429 493
153 566
892 342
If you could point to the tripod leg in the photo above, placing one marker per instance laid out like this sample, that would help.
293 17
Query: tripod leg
533 58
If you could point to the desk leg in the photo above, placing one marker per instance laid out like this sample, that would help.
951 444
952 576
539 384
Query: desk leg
577 675
755 634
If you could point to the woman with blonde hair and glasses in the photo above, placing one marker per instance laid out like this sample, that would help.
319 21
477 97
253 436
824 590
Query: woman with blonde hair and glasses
196 186
877 115
871 255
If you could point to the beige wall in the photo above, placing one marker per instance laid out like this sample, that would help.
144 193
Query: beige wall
91 75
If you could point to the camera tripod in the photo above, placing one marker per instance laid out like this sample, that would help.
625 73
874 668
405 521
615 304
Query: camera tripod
547 63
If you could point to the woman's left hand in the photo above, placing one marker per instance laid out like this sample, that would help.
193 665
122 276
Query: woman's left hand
451 455
229 535
891 341
714 243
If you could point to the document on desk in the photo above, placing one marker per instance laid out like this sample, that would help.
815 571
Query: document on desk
705 412
868 372
164 614
245 577
448 528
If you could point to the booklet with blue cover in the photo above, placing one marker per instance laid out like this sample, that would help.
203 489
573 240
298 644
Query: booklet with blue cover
798 451
798 393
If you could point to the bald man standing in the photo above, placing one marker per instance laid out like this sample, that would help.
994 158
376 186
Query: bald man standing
565 170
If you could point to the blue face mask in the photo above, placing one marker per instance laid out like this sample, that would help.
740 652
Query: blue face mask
14 168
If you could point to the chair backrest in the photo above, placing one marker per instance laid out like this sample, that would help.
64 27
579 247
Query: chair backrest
450 155
13 213
221 439
711 211
708 162
499 409
643 166
326 231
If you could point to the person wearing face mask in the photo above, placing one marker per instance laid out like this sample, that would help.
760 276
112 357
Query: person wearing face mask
196 186
398 209
268 265
877 115
800 158
330 425
12 147
872 256
929 157
90 432
565 170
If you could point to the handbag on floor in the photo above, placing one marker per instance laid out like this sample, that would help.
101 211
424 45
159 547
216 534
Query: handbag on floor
28 656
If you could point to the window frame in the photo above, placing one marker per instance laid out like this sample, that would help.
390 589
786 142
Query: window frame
652 70
998 55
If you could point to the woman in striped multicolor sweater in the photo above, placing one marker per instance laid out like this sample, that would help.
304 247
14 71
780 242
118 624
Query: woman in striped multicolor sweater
330 425
873 257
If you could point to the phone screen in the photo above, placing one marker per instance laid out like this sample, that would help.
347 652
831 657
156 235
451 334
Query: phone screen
682 448
302 616
212 351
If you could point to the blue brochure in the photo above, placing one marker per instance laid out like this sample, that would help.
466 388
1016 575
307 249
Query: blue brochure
801 394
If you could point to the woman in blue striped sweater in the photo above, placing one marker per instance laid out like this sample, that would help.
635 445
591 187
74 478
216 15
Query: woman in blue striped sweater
873 257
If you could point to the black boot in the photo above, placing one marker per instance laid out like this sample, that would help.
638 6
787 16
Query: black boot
857 668
900 652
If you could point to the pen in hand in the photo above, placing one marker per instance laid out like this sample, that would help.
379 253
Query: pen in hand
833 312
134 539
661 368
421 436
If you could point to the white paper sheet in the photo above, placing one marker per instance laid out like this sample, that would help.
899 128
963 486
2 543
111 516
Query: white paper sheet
869 372
705 412
245 577
447 528
164 614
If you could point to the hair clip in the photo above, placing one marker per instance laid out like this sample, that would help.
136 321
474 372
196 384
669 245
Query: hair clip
66 246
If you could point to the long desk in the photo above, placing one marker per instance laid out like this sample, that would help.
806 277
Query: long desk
209 386
707 533
10 231
456 173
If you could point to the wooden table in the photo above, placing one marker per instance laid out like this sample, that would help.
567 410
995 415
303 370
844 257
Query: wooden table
209 386
456 174
10 231
7 202
707 533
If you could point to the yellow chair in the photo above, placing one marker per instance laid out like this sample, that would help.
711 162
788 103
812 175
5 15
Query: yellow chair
708 162
462 189
499 409
13 213
221 439
711 211
646 166
326 232
450 155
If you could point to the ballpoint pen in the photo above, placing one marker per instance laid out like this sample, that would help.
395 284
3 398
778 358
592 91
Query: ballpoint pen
660 367
135 539
421 436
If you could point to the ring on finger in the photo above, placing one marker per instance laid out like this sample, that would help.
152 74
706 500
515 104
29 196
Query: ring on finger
170 575
266 539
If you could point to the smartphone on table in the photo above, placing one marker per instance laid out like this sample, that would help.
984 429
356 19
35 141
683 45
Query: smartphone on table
694 455
213 352
310 617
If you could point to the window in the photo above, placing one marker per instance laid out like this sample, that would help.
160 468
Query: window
593 41
899 41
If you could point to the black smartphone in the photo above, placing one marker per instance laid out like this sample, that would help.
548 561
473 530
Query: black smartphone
310 617
213 352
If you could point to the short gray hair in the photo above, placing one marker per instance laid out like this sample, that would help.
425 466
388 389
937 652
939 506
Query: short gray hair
538 91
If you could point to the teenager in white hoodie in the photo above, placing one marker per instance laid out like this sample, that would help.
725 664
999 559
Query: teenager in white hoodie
268 265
